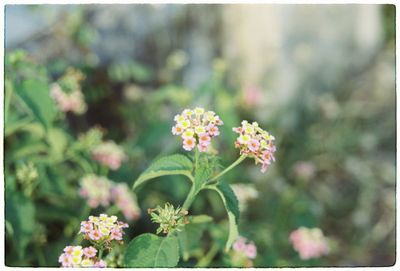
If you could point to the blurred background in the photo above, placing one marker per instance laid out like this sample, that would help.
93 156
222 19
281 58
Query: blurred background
320 78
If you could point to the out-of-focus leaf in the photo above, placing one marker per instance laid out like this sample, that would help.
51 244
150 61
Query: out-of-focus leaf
149 250
36 96
58 142
20 212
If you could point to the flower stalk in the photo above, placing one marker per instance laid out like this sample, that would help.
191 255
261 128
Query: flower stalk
234 164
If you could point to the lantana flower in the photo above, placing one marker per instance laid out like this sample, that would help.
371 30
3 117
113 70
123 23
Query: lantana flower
73 101
109 154
196 127
246 247
255 142
99 190
96 189
243 253
309 243
125 200
76 256
102 230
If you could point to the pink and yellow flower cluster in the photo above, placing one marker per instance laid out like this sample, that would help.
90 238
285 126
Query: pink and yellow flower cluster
76 256
196 127
96 189
243 246
125 201
309 243
255 142
99 190
109 154
103 229
66 102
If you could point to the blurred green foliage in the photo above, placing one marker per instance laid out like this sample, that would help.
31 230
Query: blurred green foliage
346 133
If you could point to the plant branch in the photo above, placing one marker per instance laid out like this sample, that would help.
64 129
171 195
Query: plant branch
234 164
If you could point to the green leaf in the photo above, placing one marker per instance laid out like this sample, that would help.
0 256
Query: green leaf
20 212
176 164
232 208
202 174
150 250
58 142
35 95
191 234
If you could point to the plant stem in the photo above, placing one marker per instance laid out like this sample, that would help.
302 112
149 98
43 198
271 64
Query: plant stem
100 253
196 158
234 164
206 260
190 197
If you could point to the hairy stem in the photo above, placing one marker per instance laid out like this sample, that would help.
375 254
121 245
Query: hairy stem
234 164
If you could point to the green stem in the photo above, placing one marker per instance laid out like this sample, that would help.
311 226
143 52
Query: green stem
190 198
234 164
101 253
206 260
196 158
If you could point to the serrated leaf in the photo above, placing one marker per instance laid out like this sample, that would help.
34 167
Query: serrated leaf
150 250
176 164
232 208
35 95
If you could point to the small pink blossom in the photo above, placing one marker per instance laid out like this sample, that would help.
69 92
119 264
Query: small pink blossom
251 251
109 154
73 101
253 145
244 247
100 264
116 234
204 139
65 260
177 130
189 143
69 250
309 243
213 130
240 244
126 201
202 147
89 252
95 235
96 189
86 227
